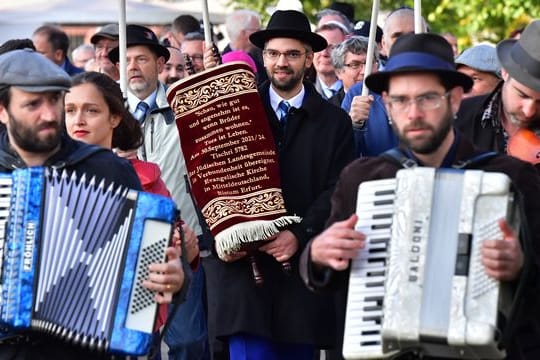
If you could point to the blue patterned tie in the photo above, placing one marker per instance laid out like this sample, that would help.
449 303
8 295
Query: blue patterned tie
283 110
140 111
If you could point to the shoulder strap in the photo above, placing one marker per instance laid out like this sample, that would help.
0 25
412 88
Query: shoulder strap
81 154
395 155
9 162
475 160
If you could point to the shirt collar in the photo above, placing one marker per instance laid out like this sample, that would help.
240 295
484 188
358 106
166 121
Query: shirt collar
295 101
133 101
329 91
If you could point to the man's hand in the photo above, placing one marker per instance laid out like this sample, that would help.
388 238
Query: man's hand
360 106
192 242
503 259
338 244
165 278
209 57
283 247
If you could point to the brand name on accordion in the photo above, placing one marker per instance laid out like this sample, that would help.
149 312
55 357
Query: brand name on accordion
29 241
415 250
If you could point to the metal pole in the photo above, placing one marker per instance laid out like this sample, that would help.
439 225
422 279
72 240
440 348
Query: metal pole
371 44
418 26
206 24
122 47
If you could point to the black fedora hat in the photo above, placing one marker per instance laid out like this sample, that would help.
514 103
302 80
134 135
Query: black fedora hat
140 35
521 58
419 53
289 24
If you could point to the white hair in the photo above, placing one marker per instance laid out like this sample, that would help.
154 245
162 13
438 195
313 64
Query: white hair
240 20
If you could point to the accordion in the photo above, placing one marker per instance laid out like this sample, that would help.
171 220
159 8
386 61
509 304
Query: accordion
75 253
419 284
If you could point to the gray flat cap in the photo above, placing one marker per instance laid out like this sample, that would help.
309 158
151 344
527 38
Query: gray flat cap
109 31
482 58
32 72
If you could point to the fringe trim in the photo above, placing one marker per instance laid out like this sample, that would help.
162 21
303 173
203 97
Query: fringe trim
231 239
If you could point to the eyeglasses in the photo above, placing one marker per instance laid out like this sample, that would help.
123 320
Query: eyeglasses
290 55
355 65
425 102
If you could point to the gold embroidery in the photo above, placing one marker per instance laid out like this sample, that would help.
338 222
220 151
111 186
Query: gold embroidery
262 203
233 83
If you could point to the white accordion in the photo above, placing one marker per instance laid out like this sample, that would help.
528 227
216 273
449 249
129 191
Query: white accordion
419 284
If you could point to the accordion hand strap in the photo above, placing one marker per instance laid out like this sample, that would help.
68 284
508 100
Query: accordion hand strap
396 155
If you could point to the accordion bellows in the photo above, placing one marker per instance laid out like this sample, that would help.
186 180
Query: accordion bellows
76 253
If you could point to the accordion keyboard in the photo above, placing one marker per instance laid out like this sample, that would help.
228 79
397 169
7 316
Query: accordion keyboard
366 284
5 199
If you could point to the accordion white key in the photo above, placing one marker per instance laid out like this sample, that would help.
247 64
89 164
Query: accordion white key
419 284
75 256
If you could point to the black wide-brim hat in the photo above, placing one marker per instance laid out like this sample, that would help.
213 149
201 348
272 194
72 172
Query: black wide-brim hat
413 53
521 58
140 35
289 24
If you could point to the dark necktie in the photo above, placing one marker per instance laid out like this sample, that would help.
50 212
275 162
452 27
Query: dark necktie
283 111
140 111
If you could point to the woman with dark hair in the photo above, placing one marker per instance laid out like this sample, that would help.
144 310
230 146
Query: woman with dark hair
96 114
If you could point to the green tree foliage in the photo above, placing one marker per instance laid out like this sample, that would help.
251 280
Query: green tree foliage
472 21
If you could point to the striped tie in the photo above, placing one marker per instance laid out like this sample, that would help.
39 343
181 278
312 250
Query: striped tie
140 111
283 111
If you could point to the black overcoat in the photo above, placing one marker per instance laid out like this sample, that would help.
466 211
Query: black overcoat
315 148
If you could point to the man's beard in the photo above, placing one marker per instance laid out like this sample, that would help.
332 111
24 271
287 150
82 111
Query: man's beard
532 124
430 145
28 139
289 84
171 80
139 87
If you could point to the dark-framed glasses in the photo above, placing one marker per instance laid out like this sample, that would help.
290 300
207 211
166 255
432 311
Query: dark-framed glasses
290 55
355 65
426 102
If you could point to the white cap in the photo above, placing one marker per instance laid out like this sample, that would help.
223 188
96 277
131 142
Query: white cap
286 5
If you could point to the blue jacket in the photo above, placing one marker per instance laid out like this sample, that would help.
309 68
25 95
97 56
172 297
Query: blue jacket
70 68
377 135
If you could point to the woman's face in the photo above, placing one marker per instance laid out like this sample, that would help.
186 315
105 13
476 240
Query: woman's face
88 117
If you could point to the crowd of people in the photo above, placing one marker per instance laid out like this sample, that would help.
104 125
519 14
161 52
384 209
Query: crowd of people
437 106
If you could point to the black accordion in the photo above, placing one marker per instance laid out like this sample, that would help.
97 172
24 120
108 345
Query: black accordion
74 255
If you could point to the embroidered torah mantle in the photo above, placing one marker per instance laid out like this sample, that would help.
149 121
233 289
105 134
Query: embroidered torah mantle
230 156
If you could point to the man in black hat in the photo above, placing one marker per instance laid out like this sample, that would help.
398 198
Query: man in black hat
147 100
490 120
32 92
422 92
282 319
104 41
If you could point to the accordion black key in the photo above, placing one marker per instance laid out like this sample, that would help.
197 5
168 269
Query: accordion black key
75 254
